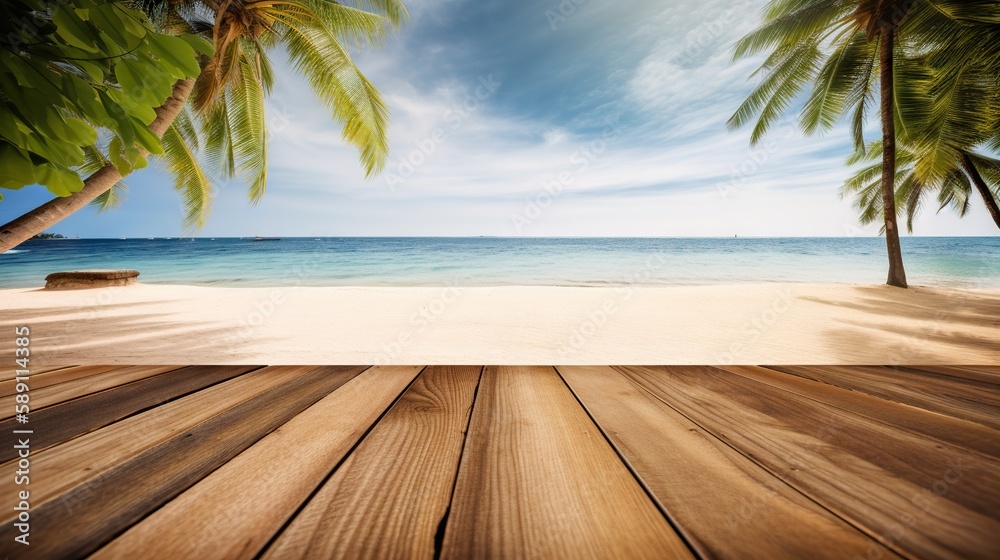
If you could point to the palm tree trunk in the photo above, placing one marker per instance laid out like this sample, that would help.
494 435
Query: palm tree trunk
45 216
984 190
897 276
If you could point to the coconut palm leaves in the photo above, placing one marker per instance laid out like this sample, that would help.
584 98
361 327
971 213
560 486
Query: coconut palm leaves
955 188
948 99
838 54
228 100
960 89
813 44
180 158
181 145
838 49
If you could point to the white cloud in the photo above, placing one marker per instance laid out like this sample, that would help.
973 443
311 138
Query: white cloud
463 165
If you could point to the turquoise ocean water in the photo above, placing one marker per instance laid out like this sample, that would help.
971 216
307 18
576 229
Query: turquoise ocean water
487 261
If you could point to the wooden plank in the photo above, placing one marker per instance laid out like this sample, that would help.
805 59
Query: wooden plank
975 373
966 399
920 499
79 521
38 380
236 526
726 505
538 480
62 392
8 373
953 431
392 493
70 419
60 468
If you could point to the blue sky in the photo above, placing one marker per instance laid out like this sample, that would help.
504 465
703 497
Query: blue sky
535 118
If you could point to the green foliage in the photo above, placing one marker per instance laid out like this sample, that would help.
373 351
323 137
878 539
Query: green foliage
954 187
72 68
946 96
227 128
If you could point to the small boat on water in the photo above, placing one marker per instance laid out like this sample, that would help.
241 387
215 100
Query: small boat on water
266 239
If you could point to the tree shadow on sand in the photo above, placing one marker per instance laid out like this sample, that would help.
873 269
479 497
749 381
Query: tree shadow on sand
947 318
74 335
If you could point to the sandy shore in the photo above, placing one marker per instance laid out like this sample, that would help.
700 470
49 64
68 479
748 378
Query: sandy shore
745 324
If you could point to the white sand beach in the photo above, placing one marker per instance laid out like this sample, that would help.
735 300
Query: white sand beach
742 324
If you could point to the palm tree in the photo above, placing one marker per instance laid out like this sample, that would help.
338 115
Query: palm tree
227 97
958 74
969 171
843 49
954 75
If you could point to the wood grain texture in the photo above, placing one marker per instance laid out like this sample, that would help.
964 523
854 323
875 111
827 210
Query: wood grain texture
719 498
538 480
954 431
63 421
44 396
921 499
81 520
40 379
389 497
61 468
960 398
744 461
981 374
241 523
8 373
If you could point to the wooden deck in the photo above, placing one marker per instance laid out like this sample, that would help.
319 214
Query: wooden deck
518 462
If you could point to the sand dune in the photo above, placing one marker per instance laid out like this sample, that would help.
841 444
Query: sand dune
743 324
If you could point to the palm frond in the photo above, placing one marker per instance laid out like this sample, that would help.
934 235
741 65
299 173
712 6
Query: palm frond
248 126
227 124
791 23
394 10
190 180
341 86
954 192
352 26
94 159
219 139
775 94
862 98
846 67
